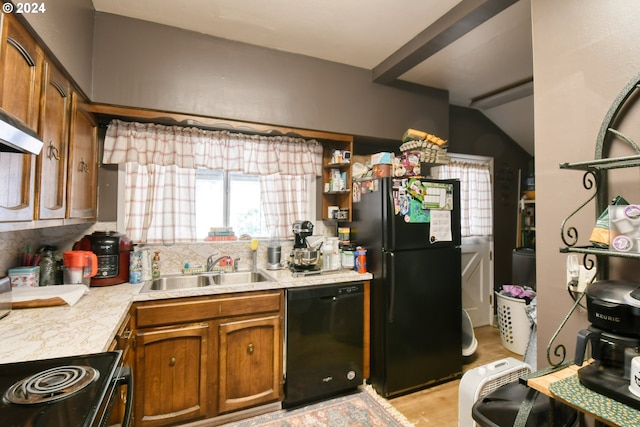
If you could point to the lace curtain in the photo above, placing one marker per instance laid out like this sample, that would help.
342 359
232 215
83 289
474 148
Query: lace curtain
160 173
476 205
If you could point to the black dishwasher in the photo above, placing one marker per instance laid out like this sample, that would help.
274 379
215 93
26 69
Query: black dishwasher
324 341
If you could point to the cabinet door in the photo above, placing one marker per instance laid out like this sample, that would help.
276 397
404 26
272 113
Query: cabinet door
250 362
83 163
21 68
171 375
51 166
122 341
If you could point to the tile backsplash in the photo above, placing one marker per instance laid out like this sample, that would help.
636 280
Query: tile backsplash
172 258
14 243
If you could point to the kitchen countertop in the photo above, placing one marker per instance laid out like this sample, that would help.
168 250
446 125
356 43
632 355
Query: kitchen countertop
90 325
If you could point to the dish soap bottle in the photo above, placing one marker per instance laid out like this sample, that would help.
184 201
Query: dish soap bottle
155 265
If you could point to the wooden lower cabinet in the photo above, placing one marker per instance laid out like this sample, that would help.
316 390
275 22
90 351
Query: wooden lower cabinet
250 362
171 375
122 341
200 357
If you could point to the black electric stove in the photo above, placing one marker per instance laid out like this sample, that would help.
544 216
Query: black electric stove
68 391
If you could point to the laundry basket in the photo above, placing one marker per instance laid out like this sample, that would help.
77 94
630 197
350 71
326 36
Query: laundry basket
513 323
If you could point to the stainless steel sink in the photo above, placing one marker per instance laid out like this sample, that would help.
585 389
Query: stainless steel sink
178 282
240 277
168 283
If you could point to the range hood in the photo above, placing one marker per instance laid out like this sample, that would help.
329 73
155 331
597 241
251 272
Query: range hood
16 137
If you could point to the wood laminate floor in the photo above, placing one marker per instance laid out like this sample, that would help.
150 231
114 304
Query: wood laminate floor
438 406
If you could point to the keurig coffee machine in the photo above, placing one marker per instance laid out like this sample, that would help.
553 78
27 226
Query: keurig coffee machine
113 250
613 308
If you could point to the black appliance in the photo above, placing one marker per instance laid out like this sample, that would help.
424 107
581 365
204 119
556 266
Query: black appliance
301 230
113 250
64 392
613 308
416 301
303 258
324 341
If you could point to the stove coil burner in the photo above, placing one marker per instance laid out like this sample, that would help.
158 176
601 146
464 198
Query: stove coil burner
53 384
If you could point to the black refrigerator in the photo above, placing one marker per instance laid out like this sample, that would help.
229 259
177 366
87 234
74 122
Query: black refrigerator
411 230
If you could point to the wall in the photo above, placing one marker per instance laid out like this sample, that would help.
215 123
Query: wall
67 29
471 132
584 53
148 65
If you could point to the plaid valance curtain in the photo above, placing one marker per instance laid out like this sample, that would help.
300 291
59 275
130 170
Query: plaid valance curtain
160 173
476 210
189 147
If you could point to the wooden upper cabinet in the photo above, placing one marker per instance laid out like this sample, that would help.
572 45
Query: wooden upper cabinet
82 183
22 61
20 80
341 197
51 166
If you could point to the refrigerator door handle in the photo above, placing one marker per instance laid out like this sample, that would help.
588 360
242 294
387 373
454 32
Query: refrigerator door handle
390 234
392 284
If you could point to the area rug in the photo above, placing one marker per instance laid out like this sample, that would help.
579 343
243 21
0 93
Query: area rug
362 408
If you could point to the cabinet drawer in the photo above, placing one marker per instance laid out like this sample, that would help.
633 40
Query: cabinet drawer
198 309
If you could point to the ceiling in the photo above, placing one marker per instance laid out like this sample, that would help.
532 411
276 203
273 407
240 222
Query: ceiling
478 50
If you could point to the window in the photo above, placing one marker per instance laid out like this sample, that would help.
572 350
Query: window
180 182
476 208
229 199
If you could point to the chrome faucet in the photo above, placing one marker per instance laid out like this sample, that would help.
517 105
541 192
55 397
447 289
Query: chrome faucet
211 263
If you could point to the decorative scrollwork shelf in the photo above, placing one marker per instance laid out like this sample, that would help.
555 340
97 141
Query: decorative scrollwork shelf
594 180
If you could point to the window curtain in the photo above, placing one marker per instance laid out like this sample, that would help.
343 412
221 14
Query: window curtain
476 210
160 203
160 172
148 143
286 203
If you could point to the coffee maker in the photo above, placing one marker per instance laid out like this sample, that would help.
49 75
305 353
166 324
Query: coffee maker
303 257
613 309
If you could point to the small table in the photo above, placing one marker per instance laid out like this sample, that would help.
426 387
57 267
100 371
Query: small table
564 386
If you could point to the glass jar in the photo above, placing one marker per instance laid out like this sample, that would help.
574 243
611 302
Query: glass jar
48 267
347 256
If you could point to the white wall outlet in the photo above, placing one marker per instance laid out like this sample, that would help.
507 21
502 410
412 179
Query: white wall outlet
584 277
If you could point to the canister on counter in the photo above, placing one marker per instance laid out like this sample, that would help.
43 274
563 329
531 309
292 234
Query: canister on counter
361 260
348 256
135 266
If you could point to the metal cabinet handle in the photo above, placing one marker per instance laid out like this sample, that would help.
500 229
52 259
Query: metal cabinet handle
52 152
83 167
172 361
250 348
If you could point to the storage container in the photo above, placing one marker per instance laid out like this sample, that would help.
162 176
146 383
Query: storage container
382 158
24 276
513 323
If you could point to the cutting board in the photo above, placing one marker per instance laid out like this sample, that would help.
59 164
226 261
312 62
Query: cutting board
46 296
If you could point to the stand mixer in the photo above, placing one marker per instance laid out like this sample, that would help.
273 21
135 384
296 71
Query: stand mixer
303 258
613 308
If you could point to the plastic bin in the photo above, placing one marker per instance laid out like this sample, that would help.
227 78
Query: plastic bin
513 323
